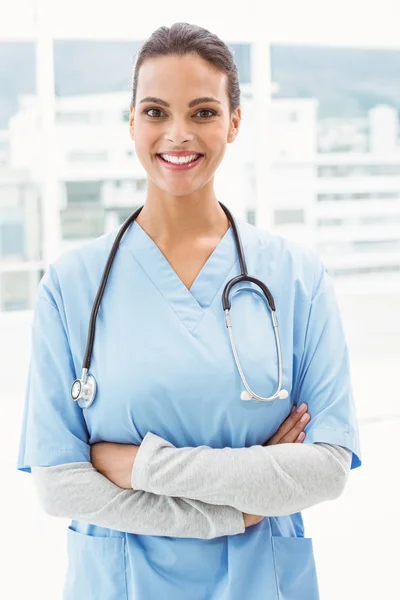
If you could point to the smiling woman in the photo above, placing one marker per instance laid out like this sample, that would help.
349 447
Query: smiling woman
176 487
185 129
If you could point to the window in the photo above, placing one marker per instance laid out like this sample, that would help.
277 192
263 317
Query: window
359 196
81 192
376 245
362 220
288 217
15 290
82 224
251 216
380 219
367 270
73 117
359 170
12 243
123 214
241 53
141 185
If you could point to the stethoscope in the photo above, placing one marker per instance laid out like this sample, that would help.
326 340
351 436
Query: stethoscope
83 390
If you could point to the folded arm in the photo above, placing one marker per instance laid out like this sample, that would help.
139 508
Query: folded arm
269 481
78 491
94 492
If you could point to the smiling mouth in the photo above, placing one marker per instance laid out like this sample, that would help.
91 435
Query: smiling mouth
197 155
180 165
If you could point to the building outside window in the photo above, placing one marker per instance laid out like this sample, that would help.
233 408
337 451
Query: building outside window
83 192
289 216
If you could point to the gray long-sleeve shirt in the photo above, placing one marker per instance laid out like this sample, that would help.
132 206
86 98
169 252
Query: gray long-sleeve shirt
201 492
78 491
270 481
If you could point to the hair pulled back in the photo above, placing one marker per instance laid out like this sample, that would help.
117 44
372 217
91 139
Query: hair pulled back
182 39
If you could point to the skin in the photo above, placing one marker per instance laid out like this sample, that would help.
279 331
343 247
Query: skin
181 213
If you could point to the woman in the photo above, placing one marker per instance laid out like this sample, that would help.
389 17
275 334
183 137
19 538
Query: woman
176 487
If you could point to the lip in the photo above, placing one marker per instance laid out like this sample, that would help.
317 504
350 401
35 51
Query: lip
183 167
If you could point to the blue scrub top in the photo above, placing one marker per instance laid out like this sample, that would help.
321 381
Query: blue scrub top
163 363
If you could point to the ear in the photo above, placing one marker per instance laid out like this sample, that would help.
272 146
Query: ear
131 121
234 125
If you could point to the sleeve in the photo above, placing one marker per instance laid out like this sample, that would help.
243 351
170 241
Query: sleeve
323 380
54 446
271 481
93 498
53 428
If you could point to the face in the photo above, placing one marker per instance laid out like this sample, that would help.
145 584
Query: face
182 108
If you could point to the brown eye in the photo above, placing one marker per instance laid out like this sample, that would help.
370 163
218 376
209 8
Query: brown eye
149 110
210 114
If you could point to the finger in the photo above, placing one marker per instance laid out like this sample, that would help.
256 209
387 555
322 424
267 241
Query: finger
294 433
289 423
301 438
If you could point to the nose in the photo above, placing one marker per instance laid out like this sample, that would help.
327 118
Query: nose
178 132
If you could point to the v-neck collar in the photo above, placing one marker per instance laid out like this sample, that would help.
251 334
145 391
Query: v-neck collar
188 305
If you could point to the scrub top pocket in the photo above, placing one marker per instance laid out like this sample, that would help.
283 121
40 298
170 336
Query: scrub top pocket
295 572
96 568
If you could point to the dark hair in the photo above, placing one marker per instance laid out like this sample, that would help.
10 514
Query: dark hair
182 39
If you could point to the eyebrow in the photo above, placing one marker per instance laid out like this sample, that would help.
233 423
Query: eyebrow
191 104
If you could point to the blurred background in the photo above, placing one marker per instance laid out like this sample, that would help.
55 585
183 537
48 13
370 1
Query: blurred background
317 160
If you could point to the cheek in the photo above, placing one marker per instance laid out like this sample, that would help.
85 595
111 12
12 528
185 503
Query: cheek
144 149
141 155
217 146
217 139
144 137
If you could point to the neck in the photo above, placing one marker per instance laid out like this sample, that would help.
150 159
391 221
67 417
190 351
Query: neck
182 219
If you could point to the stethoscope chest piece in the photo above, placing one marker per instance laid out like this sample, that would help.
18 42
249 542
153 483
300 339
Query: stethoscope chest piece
83 391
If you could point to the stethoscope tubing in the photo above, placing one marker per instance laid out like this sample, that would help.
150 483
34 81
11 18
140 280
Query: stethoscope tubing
251 394
84 389
100 292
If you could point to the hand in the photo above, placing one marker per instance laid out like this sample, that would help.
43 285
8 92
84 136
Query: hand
291 431
114 461
251 519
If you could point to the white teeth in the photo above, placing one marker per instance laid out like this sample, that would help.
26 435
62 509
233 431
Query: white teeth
179 160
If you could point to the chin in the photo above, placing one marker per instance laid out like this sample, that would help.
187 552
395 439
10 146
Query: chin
180 190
